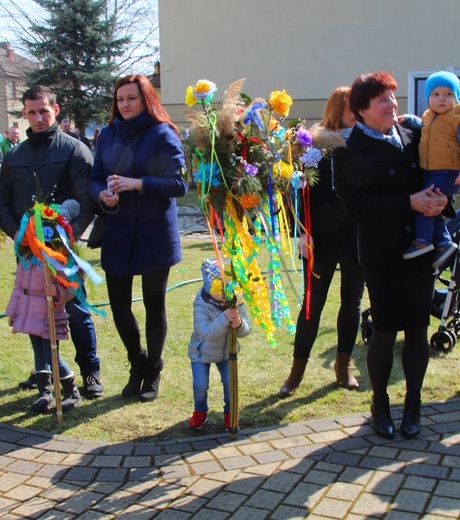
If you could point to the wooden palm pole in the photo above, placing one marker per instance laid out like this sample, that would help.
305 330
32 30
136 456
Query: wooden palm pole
233 356
54 351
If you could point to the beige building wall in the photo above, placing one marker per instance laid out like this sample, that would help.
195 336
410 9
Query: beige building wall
7 105
307 47
12 73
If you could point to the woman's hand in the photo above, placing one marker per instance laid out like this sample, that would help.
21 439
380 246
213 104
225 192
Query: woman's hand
108 198
430 202
119 184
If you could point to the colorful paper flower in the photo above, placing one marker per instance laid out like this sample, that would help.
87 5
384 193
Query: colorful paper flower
285 169
47 212
204 89
304 137
252 114
190 98
311 158
249 200
296 180
204 174
280 102
48 233
251 170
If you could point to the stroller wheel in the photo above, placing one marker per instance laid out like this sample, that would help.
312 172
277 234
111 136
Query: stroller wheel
454 325
443 340
367 328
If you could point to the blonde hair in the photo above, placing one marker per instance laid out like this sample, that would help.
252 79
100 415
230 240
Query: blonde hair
335 105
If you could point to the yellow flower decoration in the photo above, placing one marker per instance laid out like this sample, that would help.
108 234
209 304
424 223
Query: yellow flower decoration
216 287
190 98
280 102
273 125
46 212
284 169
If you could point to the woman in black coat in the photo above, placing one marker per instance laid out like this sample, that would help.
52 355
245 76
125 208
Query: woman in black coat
378 181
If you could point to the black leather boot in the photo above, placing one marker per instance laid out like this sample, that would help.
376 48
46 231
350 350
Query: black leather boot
45 399
136 376
30 383
410 425
151 383
381 417
71 396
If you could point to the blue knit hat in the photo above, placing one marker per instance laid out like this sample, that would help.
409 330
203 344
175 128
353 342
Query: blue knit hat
443 79
210 270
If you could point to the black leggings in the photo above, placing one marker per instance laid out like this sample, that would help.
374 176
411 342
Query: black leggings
154 296
415 357
348 318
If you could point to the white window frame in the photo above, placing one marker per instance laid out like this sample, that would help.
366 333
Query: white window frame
416 102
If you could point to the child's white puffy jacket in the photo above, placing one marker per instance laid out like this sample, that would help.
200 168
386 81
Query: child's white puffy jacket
210 339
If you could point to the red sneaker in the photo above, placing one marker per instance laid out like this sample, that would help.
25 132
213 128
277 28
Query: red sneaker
198 420
227 423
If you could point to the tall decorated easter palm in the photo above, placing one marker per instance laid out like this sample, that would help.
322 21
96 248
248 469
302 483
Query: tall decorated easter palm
45 238
246 164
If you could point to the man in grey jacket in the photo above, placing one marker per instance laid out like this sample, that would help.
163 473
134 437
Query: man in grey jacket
54 167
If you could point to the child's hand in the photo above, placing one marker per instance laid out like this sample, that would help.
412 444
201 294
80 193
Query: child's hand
233 316
457 180
50 290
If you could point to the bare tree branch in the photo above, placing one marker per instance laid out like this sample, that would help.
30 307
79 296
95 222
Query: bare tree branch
136 19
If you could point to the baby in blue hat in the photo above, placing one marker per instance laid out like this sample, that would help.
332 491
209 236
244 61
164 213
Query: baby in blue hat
439 152
209 343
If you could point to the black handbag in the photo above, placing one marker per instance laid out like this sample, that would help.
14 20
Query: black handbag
95 236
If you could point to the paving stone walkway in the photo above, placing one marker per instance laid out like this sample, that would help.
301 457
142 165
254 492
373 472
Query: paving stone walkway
321 469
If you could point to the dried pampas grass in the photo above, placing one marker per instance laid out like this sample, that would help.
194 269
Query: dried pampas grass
324 139
230 112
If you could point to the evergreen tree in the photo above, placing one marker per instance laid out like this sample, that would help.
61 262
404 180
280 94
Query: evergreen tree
76 48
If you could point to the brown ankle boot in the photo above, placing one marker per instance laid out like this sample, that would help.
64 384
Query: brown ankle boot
343 371
295 377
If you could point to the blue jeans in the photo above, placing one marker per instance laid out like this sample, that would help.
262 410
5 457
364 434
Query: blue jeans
83 337
42 357
433 229
200 373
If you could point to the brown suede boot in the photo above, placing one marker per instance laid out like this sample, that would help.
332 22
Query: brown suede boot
295 377
343 371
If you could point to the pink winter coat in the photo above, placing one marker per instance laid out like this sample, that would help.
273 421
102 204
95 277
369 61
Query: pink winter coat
27 308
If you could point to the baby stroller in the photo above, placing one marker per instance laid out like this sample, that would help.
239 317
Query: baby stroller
446 300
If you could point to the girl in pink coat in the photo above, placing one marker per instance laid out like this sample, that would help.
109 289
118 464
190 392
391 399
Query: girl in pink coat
28 306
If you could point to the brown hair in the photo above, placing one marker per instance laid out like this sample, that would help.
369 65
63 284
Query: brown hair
39 92
149 97
367 87
335 105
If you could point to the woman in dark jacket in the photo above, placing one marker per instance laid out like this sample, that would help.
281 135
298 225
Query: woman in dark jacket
334 243
136 177
378 181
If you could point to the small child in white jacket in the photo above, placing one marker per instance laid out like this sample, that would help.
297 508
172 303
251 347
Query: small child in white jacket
209 342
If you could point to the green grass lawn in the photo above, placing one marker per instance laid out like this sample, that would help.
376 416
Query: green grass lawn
262 369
